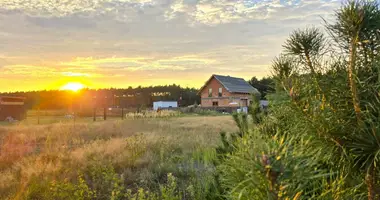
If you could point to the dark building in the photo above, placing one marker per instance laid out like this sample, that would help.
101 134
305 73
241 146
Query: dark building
12 107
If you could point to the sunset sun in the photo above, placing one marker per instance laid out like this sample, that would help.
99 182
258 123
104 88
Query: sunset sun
73 87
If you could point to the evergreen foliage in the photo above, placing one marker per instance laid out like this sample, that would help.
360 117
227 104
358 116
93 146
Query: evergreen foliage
320 136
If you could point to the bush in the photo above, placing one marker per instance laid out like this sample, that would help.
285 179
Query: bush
199 111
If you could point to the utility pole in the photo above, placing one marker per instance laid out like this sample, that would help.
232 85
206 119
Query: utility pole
38 115
71 109
105 109
122 104
94 112
74 118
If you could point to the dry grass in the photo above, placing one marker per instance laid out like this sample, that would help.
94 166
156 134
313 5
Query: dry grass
61 150
154 114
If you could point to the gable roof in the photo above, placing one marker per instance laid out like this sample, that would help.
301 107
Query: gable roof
233 84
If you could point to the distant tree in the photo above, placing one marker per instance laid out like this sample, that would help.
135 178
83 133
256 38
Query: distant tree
264 85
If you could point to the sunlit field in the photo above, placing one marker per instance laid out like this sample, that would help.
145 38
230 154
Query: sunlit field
113 159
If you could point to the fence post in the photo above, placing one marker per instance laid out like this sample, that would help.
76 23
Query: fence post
122 113
105 113
38 116
94 114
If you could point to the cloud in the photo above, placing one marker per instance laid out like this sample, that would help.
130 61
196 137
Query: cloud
121 64
211 12
29 71
119 42
75 74
62 8
72 21
106 62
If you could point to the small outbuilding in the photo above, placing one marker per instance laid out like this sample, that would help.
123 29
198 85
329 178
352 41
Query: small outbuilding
12 108
164 105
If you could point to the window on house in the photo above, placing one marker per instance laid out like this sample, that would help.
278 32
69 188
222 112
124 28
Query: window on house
210 92
220 92
215 103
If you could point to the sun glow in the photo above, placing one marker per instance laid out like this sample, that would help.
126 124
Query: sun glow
75 87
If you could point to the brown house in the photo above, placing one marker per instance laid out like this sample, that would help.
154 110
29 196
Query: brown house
12 107
227 92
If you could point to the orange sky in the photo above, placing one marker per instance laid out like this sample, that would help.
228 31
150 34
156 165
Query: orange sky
45 44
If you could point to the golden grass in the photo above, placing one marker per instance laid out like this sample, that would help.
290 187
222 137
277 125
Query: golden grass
153 114
28 151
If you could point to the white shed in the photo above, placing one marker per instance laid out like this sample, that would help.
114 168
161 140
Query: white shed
164 104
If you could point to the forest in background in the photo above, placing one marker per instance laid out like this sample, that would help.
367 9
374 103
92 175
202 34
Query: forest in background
112 97
118 97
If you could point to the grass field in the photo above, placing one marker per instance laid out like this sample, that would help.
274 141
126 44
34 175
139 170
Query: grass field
92 158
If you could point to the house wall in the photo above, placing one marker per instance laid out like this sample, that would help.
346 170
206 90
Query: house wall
17 112
12 107
226 98
215 85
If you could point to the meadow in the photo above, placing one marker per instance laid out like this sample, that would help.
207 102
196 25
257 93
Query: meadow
318 139
135 158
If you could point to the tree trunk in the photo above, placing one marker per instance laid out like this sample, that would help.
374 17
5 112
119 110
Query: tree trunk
370 179
309 63
351 78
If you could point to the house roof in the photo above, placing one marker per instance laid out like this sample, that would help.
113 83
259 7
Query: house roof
12 97
233 84
11 100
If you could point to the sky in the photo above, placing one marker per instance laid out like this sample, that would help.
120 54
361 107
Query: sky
45 44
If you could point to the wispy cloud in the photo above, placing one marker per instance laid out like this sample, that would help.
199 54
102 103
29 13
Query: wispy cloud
69 7
226 11
119 42
75 74
140 63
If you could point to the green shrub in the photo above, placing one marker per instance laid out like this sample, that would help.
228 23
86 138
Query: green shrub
199 111
75 191
320 137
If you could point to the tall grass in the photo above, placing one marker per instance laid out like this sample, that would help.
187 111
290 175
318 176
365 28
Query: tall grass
155 157
153 114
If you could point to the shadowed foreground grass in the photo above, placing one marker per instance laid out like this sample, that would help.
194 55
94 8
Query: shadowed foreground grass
110 159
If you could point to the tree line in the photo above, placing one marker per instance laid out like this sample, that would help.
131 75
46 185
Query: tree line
129 97
112 97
